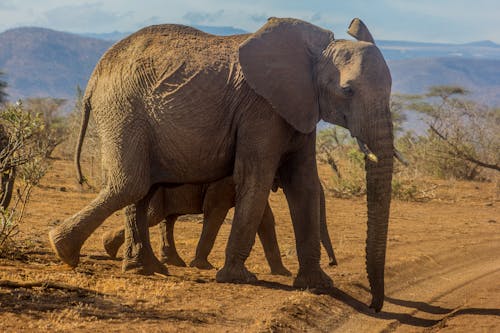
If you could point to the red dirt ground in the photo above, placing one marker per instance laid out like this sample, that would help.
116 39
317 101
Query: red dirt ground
442 272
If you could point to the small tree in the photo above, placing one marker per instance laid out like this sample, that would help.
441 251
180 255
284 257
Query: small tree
55 129
21 153
329 140
398 112
340 151
463 136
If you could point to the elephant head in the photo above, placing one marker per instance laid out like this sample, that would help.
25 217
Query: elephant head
307 75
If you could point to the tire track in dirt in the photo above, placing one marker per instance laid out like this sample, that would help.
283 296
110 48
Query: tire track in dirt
426 294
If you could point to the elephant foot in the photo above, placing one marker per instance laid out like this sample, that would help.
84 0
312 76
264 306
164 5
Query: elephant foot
144 264
313 279
235 274
171 259
111 243
201 263
280 270
64 247
377 303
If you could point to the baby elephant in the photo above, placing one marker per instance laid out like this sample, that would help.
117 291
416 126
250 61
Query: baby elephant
213 200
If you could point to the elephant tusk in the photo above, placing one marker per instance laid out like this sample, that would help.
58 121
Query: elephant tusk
401 158
369 154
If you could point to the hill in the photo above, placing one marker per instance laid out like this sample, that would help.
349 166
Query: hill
43 62
398 50
480 76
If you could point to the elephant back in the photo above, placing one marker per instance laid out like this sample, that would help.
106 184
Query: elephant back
143 61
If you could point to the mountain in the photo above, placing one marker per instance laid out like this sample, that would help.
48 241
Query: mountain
109 36
399 50
480 76
42 62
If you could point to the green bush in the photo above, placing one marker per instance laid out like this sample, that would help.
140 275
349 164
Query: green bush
462 140
23 152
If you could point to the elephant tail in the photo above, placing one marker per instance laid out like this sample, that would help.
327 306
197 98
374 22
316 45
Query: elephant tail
83 129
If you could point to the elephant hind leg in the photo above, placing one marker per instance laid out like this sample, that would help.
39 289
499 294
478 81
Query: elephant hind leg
127 182
114 239
139 257
67 238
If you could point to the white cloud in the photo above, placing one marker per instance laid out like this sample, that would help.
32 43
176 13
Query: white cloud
200 17
85 17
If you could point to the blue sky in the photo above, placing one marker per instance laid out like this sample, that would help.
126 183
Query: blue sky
455 21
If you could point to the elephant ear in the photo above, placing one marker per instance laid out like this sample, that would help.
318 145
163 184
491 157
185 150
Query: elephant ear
278 63
358 30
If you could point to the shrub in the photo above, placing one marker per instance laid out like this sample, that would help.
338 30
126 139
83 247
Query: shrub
55 129
463 137
24 152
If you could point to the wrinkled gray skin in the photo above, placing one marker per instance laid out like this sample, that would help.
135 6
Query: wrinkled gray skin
214 201
174 105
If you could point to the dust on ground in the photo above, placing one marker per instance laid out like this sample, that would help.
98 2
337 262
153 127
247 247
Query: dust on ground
442 272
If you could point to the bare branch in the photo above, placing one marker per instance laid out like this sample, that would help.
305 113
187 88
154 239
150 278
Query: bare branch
457 152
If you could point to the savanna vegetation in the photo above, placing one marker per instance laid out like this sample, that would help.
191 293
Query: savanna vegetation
30 130
461 142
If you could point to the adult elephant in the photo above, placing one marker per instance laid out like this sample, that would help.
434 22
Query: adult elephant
174 105
213 200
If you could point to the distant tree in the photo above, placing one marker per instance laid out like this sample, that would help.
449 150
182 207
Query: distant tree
397 110
55 127
3 86
328 141
461 132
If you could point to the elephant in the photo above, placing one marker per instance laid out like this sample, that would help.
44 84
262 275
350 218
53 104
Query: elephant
214 200
173 105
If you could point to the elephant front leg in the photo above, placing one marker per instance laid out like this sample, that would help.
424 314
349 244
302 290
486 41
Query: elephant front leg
168 251
252 193
267 235
113 240
214 213
139 257
302 189
325 236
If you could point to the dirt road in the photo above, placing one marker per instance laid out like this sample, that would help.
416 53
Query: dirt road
442 274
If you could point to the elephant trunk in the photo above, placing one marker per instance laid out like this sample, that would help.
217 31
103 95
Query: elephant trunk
378 184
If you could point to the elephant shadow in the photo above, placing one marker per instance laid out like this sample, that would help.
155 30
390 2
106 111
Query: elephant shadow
402 318
410 318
